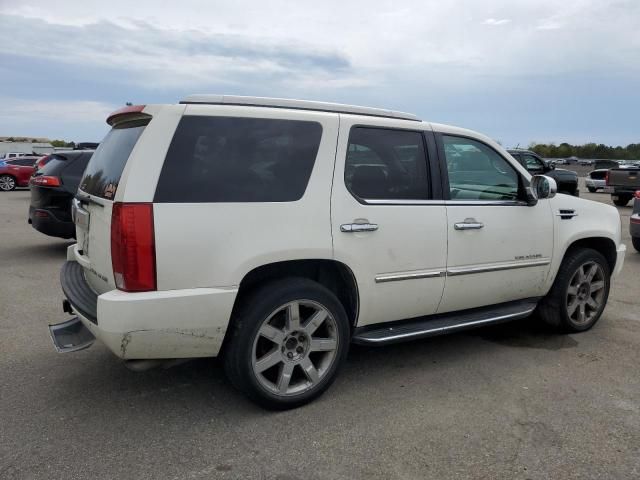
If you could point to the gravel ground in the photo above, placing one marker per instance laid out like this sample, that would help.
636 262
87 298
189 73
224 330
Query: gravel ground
511 401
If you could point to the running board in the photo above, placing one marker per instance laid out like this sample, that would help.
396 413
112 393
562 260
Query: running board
422 327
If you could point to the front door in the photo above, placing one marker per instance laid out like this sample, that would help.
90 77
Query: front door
500 248
386 225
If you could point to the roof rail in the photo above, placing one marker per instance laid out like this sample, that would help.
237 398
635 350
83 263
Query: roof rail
295 104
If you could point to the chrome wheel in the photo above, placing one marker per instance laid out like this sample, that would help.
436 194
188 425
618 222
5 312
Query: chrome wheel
7 183
585 293
295 348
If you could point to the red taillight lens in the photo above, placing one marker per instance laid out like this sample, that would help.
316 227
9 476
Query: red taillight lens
606 178
46 181
133 250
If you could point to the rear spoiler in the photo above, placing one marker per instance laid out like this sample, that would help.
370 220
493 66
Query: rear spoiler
130 112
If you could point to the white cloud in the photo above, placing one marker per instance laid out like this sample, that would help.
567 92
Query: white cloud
496 22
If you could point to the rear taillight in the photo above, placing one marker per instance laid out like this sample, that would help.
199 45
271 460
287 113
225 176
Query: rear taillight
45 181
133 251
606 178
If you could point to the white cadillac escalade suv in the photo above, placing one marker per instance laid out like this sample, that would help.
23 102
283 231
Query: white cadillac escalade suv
274 233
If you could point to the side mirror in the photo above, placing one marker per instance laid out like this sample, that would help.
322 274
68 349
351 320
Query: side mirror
541 187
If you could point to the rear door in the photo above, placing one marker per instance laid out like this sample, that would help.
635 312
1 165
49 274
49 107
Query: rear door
388 224
95 198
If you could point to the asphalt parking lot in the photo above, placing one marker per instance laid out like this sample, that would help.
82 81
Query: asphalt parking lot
512 401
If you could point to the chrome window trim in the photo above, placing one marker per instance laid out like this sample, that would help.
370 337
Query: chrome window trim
452 272
452 203
394 277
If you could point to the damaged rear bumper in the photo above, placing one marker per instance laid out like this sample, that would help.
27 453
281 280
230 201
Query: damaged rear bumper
183 323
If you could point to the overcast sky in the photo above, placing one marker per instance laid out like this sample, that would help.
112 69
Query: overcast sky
517 70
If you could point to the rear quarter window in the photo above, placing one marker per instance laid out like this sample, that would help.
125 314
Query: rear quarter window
102 175
233 159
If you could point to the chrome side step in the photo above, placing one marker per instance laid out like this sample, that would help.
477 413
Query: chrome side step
394 332
71 336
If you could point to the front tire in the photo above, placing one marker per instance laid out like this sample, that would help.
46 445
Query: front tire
287 344
579 293
592 190
7 183
636 243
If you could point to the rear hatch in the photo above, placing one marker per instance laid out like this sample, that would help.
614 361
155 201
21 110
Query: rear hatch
97 192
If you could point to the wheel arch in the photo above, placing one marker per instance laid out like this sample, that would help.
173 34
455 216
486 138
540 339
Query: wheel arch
604 245
334 275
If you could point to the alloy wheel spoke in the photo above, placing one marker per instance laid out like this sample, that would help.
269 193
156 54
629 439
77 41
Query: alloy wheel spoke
293 316
572 290
272 333
592 272
581 275
595 286
592 303
322 344
582 313
268 361
310 370
315 321
285 377
571 308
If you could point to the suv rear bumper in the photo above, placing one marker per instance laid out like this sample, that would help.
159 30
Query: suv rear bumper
45 221
151 325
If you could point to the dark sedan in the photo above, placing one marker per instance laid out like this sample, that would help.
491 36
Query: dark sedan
52 190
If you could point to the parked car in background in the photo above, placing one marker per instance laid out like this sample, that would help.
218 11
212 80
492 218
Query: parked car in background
622 183
605 164
8 155
596 180
585 161
634 222
16 172
52 190
566 180
251 228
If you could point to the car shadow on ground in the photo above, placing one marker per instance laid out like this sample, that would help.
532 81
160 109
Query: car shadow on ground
57 249
99 377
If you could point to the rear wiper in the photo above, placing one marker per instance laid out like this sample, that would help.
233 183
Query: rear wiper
84 197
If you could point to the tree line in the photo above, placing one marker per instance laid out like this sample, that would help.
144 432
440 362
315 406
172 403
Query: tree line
588 150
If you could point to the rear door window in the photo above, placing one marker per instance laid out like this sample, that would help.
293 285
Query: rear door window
234 159
386 164
103 172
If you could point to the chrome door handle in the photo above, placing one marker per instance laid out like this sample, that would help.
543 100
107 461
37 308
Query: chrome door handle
358 227
468 224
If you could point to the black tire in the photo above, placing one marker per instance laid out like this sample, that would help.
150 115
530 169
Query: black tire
244 337
622 200
636 243
7 183
554 307
592 190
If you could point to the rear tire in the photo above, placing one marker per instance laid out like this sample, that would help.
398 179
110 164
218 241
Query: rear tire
592 190
622 200
288 341
636 243
7 183
579 293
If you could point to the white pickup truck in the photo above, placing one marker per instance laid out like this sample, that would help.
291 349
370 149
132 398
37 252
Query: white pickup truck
275 233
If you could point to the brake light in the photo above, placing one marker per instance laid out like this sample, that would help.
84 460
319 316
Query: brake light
133 250
606 178
45 181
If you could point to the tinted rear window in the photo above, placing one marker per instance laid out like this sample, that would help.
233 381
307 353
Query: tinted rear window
231 159
54 166
598 175
103 172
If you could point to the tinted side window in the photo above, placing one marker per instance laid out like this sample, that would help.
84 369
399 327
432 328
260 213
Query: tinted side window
24 162
477 172
231 159
385 164
103 172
